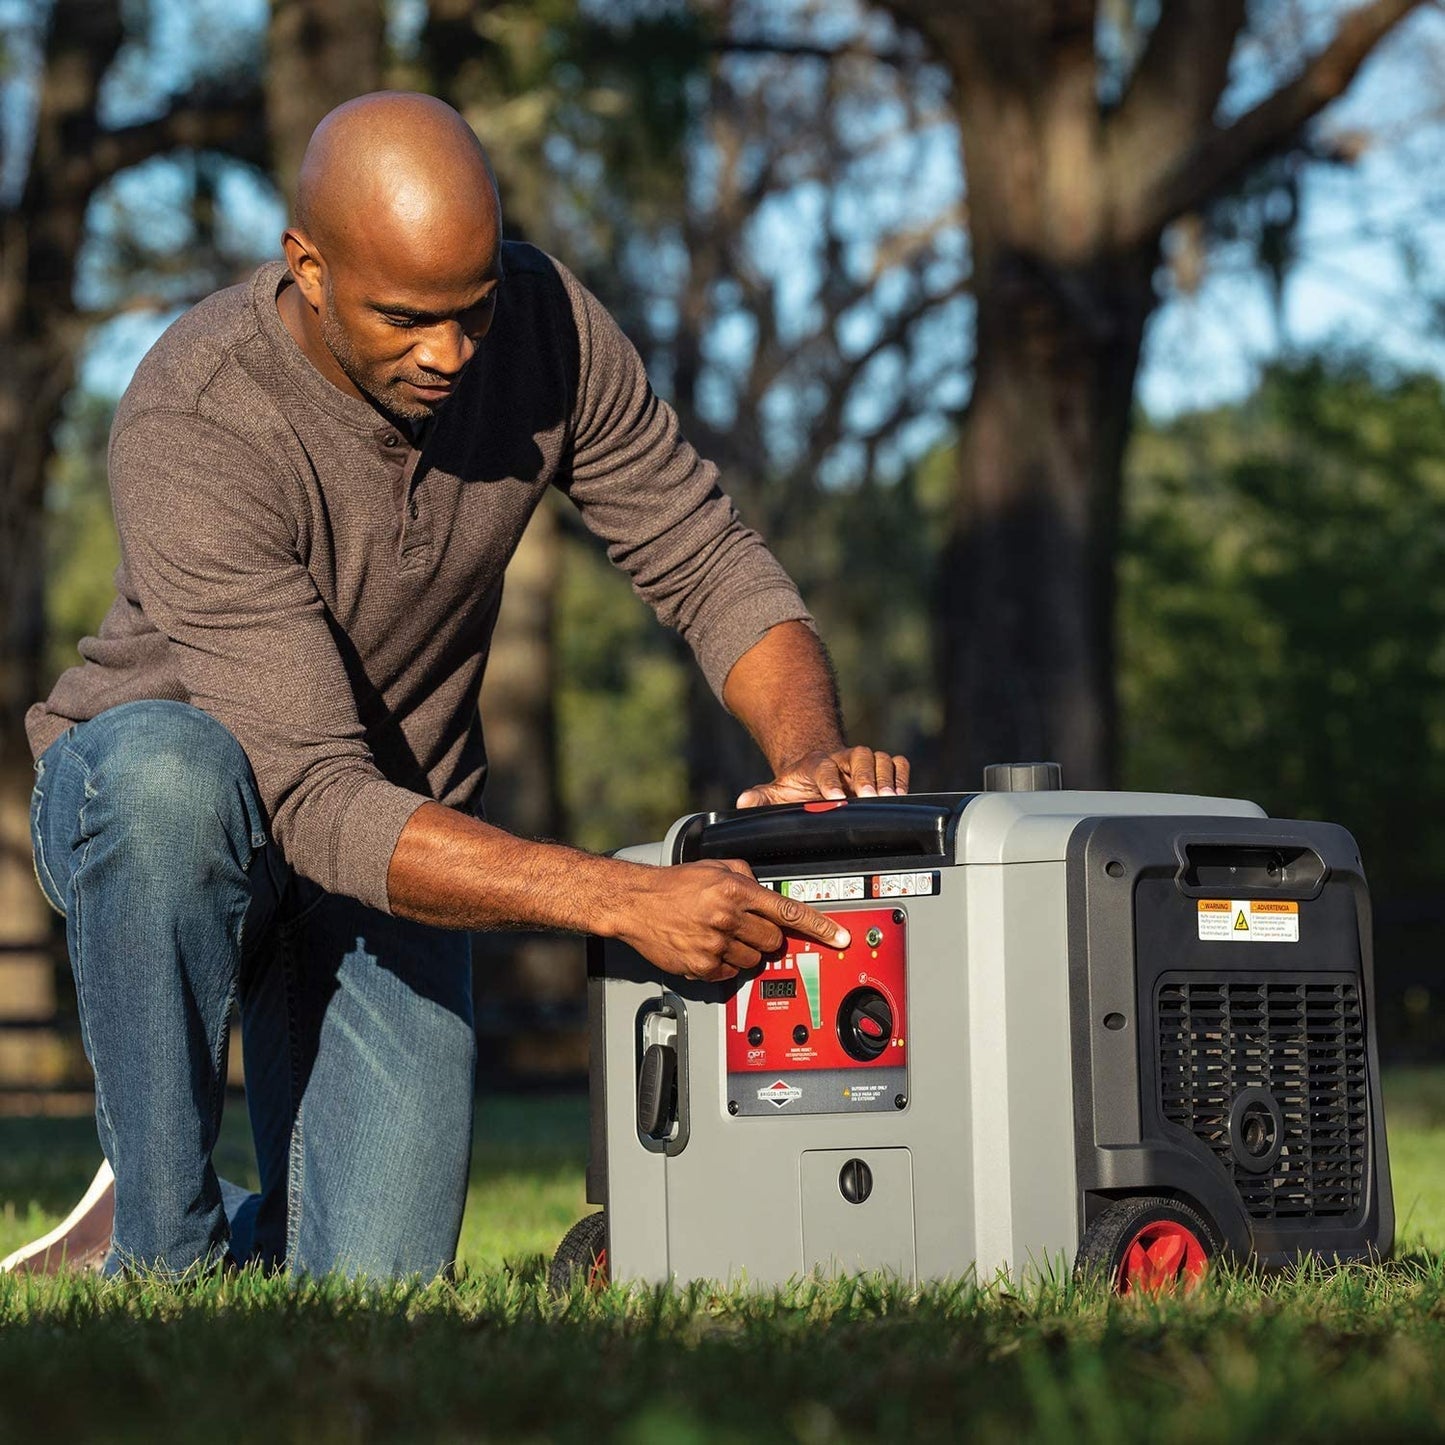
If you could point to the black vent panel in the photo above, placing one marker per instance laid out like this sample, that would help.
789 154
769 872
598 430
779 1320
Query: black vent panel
1298 1047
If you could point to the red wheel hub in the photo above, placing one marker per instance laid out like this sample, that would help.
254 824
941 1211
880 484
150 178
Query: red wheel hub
597 1275
1162 1256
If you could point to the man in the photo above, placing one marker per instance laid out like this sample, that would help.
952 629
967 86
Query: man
261 785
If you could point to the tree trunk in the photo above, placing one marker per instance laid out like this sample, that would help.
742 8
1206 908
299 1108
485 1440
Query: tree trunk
39 335
518 696
530 986
1027 591
1027 581
39 332
1067 202
318 54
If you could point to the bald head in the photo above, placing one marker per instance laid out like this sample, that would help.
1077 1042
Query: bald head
395 250
394 171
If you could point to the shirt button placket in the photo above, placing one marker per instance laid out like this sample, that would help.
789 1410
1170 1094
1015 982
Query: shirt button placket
413 540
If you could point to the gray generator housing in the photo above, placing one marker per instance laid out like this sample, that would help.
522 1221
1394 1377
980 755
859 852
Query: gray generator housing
1081 1027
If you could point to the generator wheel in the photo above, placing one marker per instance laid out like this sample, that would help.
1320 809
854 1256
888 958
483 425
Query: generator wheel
583 1252
1148 1245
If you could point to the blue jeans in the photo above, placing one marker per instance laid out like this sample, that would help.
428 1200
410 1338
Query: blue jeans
150 838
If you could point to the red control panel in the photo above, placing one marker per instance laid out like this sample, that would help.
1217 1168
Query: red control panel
814 1007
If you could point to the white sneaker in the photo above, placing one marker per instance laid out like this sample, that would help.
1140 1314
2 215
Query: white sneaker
80 1242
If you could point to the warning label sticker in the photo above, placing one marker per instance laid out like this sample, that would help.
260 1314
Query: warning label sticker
1256 920
904 885
820 890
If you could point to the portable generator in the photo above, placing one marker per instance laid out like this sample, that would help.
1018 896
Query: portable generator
1118 1031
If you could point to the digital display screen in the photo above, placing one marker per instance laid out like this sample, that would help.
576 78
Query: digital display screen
780 988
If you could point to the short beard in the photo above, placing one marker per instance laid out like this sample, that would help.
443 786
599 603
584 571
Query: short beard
338 343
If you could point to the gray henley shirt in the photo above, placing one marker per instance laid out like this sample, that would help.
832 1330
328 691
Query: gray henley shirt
291 564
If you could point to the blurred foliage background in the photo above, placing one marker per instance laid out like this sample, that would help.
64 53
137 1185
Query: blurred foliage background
1081 360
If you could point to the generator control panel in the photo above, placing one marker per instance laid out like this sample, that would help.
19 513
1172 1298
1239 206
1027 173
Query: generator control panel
824 1030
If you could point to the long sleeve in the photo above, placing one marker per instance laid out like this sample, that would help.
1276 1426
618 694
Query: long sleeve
642 488
212 559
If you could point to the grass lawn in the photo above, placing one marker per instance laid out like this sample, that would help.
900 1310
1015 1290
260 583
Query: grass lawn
1351 1354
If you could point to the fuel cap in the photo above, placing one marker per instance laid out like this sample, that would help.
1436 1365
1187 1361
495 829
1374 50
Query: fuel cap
855 1181
1022 778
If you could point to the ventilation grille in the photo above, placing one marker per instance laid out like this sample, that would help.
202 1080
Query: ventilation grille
1304 1042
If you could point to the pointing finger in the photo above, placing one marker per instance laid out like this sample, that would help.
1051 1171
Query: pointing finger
799 918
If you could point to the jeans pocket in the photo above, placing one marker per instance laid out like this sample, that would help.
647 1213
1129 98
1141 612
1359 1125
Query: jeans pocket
303 900
255 820
43 876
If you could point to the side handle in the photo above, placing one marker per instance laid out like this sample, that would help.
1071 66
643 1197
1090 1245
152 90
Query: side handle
1221 867
662 1108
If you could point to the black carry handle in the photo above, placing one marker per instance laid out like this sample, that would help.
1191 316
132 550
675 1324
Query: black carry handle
820 832
1226 867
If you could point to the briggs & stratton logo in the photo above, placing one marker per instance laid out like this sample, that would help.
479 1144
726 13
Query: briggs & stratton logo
780 1093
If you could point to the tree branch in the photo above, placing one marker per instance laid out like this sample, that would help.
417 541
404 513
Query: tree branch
904 247
1185 59
801 50
1221 154
826 427
1177 83
233 125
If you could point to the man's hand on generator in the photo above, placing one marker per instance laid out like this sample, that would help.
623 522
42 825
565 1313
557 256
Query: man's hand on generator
858 772
707 920
712 920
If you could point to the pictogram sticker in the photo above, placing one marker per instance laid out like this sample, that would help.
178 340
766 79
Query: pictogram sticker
902 885
1258 920
821 890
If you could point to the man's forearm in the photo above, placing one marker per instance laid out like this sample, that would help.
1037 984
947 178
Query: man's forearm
782 690
701 920
455 871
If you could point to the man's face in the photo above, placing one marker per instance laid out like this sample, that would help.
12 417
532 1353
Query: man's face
403 335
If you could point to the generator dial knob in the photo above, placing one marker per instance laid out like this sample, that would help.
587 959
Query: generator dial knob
865 1024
